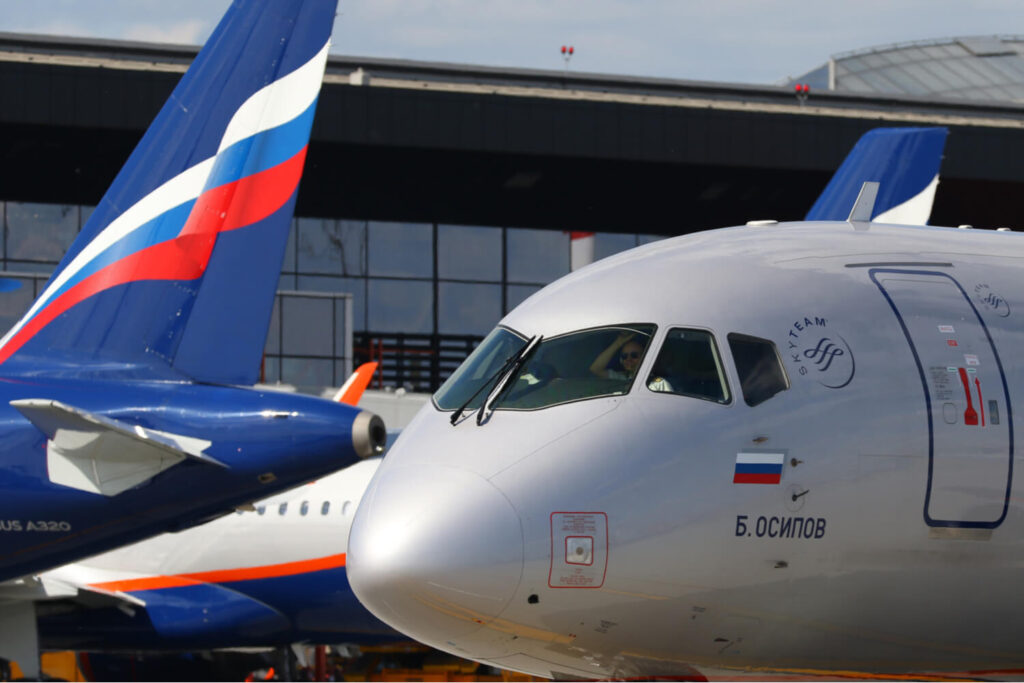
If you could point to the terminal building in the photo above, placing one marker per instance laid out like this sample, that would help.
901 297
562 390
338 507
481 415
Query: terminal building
436 197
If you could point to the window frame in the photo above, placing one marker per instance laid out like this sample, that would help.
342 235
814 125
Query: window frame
778 358
723 374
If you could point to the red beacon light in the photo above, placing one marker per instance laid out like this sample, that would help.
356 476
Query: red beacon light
801 90
567 55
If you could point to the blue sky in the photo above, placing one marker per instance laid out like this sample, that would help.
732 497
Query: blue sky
746 41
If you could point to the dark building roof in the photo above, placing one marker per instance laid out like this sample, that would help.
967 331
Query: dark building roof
400 140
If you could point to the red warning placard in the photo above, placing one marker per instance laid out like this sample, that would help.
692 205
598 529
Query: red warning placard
579 549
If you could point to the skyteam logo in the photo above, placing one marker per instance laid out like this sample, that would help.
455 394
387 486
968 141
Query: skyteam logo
820 353
992 301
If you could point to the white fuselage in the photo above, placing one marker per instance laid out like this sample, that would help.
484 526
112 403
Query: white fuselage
863 516
303 525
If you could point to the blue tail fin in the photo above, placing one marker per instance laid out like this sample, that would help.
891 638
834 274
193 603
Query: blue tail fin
904 161
175 271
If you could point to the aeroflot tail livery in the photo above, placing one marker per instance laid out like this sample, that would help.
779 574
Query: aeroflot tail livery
120 411
778 448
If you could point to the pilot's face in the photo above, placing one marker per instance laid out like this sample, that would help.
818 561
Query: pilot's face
629 356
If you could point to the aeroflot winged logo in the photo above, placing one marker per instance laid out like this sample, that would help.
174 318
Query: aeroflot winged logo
170 233
820 353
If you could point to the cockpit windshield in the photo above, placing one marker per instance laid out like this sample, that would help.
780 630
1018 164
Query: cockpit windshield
571 367
480 368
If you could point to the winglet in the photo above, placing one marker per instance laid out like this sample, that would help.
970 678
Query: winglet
354 386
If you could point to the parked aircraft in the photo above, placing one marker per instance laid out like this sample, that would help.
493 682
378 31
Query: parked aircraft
273 576
122 411
783 448
268 576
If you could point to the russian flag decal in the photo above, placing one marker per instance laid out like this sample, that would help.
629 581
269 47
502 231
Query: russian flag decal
758 468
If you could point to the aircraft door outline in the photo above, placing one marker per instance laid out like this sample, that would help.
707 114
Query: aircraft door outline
958 365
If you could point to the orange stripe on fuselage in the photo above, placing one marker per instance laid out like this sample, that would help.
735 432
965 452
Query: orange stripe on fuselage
151 583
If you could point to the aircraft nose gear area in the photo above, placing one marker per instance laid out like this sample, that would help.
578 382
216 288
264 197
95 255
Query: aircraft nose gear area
435 571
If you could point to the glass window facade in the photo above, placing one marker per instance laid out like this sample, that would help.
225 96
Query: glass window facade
330 247
309 340
609 243
401 249
467 308
39 232
469 253
536 256
350 290
16 295
401 306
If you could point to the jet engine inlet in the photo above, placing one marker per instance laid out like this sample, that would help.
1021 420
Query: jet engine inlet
369 436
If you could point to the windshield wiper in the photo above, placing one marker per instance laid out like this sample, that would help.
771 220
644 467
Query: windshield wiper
500 373
487 407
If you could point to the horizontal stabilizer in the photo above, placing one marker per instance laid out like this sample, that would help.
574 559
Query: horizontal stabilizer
205 608
100 455
48 586
115 595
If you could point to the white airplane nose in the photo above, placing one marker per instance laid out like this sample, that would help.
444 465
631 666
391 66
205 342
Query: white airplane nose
436 553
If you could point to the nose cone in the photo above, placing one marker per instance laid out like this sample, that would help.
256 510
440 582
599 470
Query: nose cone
434 552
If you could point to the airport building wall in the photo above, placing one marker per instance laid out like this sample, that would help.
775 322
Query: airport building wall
436 197
350 290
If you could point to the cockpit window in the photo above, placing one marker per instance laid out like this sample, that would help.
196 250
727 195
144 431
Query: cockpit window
480 368
588 364
688 364
759 368
570 367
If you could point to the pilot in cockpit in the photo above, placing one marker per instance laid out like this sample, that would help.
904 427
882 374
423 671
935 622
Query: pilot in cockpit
630 350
